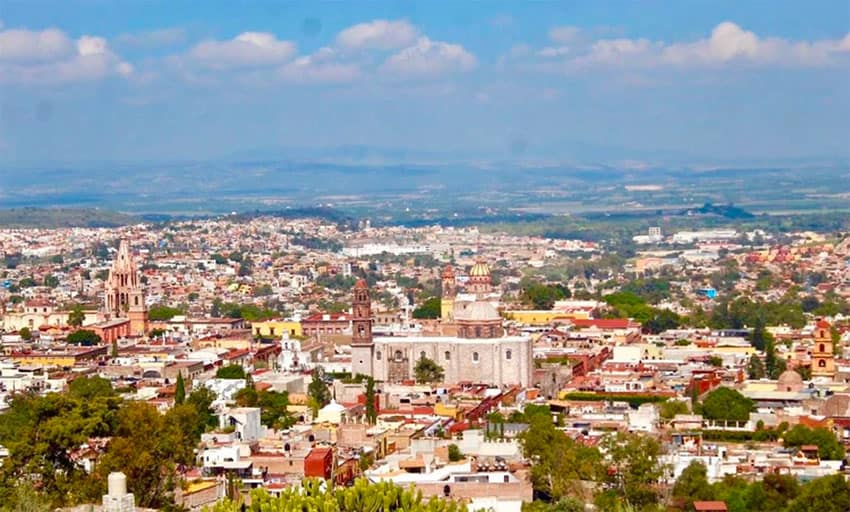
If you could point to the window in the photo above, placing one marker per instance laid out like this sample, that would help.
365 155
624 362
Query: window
397 356
822 347
448 355
475 357
378 355
422 355
821 363
508 355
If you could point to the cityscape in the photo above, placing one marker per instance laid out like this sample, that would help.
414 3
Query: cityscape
214 320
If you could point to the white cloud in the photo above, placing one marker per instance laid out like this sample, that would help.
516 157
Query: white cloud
731 43
248 49
428 57
50 56
320 67
153 38
378 35
19 45
728 44
554 51
564 34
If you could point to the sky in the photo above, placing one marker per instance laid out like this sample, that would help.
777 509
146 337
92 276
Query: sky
634 82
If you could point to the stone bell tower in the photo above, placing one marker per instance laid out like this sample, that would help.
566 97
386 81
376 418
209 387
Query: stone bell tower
124 296
362 349
449 292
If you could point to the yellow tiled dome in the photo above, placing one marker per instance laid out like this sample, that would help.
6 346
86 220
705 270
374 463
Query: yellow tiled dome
480 269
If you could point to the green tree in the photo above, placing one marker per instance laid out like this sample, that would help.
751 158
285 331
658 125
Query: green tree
726 404
755 368
25 333
24 497
563 505
692 485
828 446
826 494
427 371
90 388
429 309
543 296
455 454
231 371
41 432
772 493
201 399
670 408
716 361
371 397
180 390
150 456
51 281
559 463
317 390
775 366
274 406
76 316
636 471
160 312
83 337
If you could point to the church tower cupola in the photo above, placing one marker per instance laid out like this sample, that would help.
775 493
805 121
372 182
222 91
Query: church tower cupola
362 349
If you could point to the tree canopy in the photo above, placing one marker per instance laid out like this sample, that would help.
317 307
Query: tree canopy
429 309
726 404
231 371
427 371
83 337
828 446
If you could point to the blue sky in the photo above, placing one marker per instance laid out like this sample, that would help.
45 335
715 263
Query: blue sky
633 82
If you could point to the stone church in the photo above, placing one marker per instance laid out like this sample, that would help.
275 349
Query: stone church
124 297
480 353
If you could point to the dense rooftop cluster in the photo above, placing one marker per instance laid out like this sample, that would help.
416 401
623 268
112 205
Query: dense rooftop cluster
705 369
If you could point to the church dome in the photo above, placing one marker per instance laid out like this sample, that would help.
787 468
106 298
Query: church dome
477 311
480 269
333 408
789 380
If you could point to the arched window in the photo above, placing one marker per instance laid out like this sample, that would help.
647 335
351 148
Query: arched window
448 355
397 356
821 363
822 347
508 354
475 357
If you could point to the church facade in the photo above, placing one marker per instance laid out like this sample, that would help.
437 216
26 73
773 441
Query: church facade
480 353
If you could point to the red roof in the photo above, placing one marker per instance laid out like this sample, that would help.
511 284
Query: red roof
710 506
823 324
318 453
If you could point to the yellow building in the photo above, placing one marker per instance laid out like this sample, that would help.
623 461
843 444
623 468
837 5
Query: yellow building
276 328
449 292
543 316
